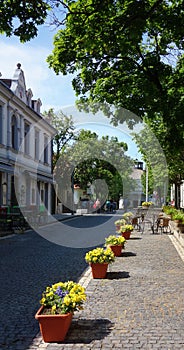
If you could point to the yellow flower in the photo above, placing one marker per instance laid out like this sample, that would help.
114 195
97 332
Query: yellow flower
50 294
56 285
53 308
67 300
42 301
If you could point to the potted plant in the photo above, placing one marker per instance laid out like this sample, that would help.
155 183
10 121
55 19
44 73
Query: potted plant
127 217
169 210
99 259
126 230
58 303
178 217
147 204
119 223
115 243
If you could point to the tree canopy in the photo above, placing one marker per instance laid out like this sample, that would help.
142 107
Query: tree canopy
125 53
21 17
101 162
65 131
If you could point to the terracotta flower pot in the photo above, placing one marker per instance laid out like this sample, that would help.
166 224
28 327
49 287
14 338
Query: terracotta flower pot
126 234
118 227
116 249
99 270
53 328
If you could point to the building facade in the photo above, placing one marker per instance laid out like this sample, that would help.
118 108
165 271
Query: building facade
25 146
136 196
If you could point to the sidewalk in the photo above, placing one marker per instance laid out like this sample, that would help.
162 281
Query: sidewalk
139 305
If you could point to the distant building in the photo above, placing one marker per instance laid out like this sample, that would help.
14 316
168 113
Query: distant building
136 196
25 146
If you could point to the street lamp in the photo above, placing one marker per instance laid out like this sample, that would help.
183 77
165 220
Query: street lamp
72 186
147 182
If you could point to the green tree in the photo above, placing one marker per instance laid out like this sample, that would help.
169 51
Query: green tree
125 53
167 156
21 17
100 162
66 132
128 54
155 159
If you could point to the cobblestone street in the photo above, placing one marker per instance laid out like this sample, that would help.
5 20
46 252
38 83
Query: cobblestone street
139 305
28 262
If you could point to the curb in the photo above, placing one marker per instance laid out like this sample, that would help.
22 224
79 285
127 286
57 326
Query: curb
178 245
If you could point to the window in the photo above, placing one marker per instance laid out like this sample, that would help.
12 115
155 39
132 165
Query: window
42 195
36 144
33 200
46 149
26 137
14 133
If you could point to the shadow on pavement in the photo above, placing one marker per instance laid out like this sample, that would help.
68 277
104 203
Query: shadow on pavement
86 330
117 275
128 254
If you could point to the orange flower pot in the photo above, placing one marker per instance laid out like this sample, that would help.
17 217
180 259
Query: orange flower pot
116 249
99 270
53 328
126 234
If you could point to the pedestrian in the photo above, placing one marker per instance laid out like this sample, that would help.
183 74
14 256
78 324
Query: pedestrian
98 205
107 205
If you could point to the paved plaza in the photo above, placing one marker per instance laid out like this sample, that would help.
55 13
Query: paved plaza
139 305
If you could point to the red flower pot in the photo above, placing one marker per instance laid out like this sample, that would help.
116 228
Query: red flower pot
99 270
53 328
116 249
126 234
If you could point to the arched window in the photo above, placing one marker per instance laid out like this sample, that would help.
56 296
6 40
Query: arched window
14 133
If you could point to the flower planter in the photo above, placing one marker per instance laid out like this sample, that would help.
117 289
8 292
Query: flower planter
53 328
118 227
126 234
177 222
99 270
116 249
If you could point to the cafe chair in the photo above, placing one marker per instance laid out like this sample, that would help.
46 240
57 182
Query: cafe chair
163 225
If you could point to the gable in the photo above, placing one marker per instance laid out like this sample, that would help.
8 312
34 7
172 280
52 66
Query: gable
18 85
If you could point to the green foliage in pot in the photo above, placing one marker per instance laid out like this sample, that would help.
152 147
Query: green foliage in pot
178 215
114 240
169 210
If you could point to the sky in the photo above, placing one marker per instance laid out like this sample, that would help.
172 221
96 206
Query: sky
55 91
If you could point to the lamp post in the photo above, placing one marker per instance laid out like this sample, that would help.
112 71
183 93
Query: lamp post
72 186
147 182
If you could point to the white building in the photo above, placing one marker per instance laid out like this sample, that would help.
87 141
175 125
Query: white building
136 196
25 146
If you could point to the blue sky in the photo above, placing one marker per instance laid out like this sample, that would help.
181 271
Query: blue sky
54 91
